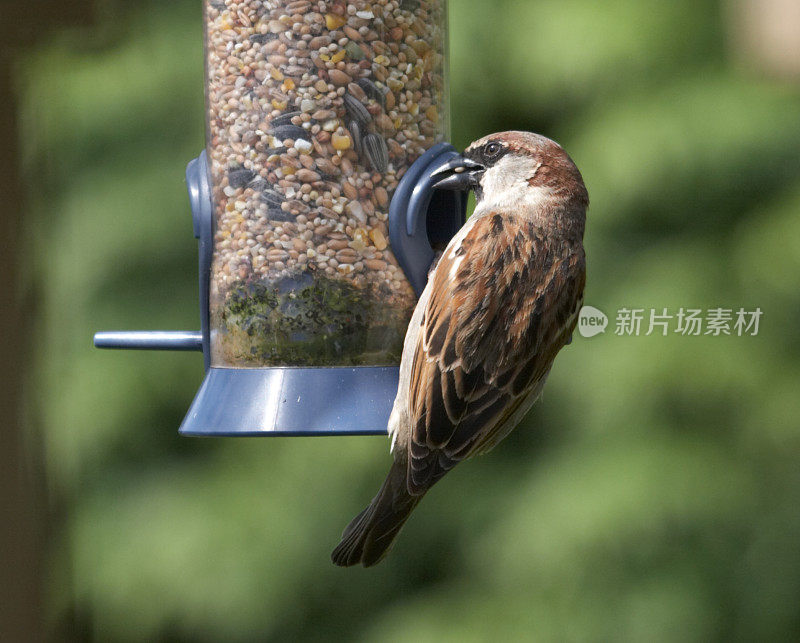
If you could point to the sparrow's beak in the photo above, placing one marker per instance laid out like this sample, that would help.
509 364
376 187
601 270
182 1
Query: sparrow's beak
459 173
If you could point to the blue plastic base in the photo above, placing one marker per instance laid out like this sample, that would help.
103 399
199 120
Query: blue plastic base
292 402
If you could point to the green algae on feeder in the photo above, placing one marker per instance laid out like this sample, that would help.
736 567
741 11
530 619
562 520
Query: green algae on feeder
309 320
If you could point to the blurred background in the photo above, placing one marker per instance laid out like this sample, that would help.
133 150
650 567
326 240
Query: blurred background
653 494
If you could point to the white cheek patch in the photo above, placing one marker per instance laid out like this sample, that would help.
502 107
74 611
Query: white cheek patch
506 185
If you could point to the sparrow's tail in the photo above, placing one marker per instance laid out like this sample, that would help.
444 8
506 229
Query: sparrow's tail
369 536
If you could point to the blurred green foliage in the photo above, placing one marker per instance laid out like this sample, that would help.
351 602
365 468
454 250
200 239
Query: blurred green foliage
652 495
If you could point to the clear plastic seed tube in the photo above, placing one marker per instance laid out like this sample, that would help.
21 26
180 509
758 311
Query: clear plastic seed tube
315 111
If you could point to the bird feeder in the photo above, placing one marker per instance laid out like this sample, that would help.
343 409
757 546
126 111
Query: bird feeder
314 209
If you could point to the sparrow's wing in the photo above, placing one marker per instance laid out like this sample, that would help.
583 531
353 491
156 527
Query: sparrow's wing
504 300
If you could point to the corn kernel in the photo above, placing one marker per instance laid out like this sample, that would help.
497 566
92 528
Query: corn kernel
332 21
341 142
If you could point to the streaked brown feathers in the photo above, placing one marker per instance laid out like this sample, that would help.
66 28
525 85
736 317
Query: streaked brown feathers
488 336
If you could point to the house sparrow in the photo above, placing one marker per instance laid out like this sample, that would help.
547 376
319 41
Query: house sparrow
502 301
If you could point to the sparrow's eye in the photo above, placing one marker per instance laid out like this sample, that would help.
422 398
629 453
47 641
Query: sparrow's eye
493 149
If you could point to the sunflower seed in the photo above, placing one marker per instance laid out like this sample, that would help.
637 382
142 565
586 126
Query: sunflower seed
284 119
372 90
271 198
240 177
355 133
376 152
259 184
356 110
282 132
261 38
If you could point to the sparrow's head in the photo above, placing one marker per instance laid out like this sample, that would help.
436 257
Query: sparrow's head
516 170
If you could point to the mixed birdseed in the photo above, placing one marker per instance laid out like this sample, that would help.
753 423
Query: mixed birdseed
316 110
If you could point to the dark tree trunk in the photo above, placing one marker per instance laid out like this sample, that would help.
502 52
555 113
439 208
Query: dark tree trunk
22 503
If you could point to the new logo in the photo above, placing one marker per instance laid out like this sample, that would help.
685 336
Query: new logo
591 321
